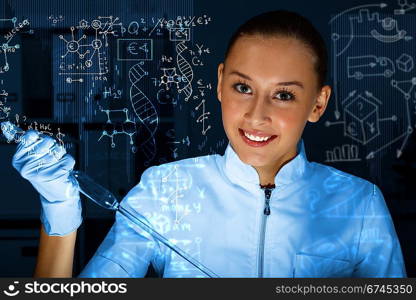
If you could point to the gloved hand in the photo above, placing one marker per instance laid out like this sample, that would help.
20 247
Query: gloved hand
46 165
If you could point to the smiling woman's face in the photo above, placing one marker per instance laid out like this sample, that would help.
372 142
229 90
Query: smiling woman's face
268 91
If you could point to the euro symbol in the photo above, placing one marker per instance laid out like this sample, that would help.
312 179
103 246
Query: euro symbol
132 48
352 129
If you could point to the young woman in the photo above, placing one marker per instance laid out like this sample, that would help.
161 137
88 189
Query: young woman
261 209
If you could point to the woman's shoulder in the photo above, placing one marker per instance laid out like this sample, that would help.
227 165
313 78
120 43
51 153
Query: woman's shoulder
203 162
329 175
345 194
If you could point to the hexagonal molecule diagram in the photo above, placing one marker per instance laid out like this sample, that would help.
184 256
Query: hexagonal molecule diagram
361 120
170 76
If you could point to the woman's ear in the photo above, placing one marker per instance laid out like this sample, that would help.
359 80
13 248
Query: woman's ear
320 104
220 72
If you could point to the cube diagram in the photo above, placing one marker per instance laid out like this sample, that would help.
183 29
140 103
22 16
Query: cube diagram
405 63
361 120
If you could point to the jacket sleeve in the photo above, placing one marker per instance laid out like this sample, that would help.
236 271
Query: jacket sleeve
127 250
379 253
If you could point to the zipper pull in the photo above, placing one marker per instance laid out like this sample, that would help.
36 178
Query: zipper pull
267 193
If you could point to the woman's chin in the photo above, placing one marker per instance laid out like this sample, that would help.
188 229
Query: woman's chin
254 160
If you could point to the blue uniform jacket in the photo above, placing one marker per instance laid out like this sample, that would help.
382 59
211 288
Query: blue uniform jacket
316 222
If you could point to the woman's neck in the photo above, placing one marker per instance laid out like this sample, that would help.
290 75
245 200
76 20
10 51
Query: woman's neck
268 173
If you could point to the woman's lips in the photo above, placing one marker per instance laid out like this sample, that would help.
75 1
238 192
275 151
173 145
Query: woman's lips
255 143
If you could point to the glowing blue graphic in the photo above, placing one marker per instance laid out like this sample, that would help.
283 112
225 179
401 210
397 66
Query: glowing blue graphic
322 223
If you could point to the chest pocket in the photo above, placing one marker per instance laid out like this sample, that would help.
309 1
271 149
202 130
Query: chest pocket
309 265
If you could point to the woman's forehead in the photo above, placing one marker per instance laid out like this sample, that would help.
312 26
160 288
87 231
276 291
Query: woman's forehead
267 57
270 48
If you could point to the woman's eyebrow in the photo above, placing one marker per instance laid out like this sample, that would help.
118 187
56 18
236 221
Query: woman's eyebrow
284 83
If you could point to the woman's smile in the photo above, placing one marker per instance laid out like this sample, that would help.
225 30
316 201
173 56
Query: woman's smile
255 138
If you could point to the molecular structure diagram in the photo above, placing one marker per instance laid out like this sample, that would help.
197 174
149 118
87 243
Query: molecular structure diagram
74 46
128 127
103 26
5 47
91 52
170 76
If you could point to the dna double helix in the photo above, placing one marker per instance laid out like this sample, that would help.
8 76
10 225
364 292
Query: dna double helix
145 112
185 69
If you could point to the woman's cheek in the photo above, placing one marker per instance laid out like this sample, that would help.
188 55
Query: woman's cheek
232 108
289 120
228 113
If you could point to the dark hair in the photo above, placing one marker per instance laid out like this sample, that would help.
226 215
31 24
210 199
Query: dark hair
286 24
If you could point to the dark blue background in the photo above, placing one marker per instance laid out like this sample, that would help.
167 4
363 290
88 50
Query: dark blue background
35 91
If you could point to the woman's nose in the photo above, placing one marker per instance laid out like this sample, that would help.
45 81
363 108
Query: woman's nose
258 112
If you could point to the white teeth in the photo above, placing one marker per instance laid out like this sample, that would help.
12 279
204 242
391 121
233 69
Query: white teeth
256 138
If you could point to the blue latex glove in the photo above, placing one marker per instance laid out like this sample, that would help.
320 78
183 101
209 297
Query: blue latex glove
48 167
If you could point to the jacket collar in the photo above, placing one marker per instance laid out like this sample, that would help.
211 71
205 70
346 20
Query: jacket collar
239 172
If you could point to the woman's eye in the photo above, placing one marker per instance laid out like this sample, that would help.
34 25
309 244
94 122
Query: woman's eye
242 88
285 96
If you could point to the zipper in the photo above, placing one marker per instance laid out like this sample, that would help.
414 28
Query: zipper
266 212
